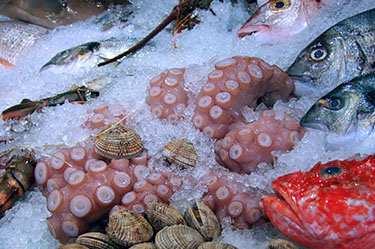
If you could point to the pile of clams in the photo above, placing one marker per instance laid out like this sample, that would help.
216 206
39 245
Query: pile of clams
163 224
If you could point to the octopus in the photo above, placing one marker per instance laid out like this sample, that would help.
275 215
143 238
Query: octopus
234 83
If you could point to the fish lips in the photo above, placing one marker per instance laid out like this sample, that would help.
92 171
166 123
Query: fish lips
250 29
315 126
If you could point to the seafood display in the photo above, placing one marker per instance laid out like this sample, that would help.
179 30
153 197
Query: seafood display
51 13
17 178
341 53
15 38
348 109
185 159
278 20
236 82
78 95
329 206
244 147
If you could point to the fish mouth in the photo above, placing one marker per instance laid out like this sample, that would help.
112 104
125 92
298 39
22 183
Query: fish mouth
252 29
281 209
315 126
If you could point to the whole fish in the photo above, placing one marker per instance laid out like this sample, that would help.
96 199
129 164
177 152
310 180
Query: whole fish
330 207
15 38
343 52
77 95
277 20
84 56
52 13
349 108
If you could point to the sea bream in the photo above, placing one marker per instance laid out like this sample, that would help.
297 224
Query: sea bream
343 52
331 206
15 38
349 109
277 20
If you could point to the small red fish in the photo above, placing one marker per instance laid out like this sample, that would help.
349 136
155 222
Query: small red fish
277 20
331 206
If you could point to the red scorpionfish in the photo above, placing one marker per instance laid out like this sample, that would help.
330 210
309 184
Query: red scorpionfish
331 206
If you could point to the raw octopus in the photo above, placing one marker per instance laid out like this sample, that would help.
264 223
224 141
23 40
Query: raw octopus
81 187
235 82
247 145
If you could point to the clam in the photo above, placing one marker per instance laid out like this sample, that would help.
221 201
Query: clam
95 240
148 245
178 237
201 217
72 246
127 228
281 244
216 245
161 215
181 152
117 141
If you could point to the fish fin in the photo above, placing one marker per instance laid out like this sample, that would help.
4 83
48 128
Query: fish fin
25 101
21 110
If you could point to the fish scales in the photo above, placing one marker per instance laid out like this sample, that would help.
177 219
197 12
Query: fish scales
17 36
343 52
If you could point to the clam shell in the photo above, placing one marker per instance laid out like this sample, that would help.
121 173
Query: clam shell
181 152
72 246
161 215
117 141
201 217
216 245
95 240
127 228
178 237
281 244
148 245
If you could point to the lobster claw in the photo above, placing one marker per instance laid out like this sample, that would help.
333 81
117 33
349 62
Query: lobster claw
23 109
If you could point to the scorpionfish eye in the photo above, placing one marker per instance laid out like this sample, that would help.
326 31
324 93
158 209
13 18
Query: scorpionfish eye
279 4
331 171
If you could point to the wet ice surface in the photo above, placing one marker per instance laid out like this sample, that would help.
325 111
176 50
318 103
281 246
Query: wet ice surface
212 40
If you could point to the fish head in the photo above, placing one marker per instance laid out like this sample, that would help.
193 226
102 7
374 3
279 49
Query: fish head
321 64
335 112
276 20
331 206
74 58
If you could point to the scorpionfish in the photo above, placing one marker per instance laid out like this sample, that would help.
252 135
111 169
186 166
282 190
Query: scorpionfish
330 206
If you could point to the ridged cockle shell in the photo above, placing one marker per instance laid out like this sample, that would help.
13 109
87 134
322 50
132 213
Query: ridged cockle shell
216 245
127 228
181 152
281 244
161 215
117 141
202 218
178 237
95 240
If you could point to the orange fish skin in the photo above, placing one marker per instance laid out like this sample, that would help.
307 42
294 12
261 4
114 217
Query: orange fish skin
331 206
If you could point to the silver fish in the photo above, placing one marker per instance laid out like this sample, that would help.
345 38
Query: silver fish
52 13
343 52
84 56
347 109
15 38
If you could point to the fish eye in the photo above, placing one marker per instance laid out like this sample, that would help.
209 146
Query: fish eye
331 171
332 104
319 54
279 4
